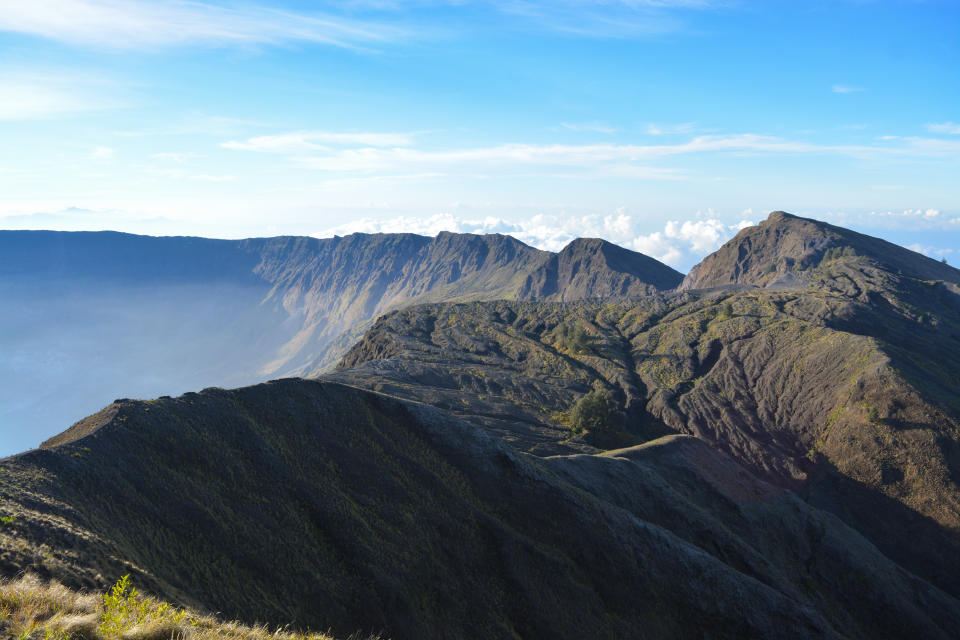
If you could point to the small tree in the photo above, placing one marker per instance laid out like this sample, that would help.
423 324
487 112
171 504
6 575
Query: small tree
574 339
596 411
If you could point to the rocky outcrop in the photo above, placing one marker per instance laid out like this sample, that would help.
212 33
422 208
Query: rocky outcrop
787 244
594 268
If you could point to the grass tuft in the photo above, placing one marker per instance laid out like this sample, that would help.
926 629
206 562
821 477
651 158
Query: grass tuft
31 609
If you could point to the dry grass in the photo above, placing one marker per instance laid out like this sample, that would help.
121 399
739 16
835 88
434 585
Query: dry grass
31 609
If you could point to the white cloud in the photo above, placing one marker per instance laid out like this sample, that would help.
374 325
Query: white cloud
842 88
951 128
920 219
929 251
927 214
300 141
679 244
102 153
130 24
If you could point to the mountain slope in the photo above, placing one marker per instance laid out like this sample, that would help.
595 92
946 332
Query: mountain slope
594 268
92 316
842 387
407 521
786 244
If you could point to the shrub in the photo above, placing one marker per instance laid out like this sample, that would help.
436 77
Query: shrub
574 339
595 412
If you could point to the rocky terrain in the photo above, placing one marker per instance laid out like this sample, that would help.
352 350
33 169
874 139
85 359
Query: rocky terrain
840 386
772 449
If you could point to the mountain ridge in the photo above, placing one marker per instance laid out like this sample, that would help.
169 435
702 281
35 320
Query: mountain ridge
410 522
842 388
183 312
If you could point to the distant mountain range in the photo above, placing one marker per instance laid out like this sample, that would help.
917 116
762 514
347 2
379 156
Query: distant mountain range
588 445
92 316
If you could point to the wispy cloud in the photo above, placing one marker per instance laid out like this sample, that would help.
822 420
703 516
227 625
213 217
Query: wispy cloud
131 24
318 140
598 159
604 19
102 153
845 88
197 124
950 128
680 243
39 95
684 128
927 219
930 252
592 127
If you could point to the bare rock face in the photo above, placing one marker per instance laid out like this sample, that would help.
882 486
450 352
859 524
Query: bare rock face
594 268
784 243
329 507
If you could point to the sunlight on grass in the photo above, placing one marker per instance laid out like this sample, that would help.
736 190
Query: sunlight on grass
31 609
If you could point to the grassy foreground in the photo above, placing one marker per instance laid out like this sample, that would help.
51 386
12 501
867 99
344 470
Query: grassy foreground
31 609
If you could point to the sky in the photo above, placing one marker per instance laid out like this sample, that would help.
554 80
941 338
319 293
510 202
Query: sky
664 126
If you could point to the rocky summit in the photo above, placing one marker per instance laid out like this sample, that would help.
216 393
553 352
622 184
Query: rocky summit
516 444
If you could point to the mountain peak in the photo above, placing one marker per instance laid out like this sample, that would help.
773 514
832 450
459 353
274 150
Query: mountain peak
784 245
596 268
777 216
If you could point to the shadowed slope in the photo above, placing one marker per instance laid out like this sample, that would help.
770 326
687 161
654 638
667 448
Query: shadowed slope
332 507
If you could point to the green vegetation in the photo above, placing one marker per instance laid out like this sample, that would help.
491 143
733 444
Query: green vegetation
596 412
573 338
834 253
31 609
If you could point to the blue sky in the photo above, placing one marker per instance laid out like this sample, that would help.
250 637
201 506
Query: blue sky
663 126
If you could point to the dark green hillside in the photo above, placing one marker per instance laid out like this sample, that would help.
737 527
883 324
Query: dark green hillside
336 508
842 385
